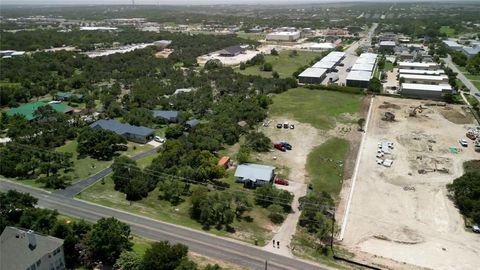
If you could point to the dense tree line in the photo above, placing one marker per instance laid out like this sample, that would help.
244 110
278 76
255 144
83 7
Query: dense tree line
99 143
465 191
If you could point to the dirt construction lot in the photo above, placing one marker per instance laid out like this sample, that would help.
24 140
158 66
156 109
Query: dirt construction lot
402 213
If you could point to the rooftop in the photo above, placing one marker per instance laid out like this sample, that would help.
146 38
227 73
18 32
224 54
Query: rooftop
165 114
16 251
422 72
254 172
387 43
426 87
363 66
359 75
417 64
424 77
451 43
232 50
28 109
313 72
121 129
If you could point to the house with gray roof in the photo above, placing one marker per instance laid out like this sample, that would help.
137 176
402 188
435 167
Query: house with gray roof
170 116
192 123
132 133
253 175
232 51
25 249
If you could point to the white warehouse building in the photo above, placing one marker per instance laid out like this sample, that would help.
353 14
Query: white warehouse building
418 65
425 79
427 91
283 36
312 75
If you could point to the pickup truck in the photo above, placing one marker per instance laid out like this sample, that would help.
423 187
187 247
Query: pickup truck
280 147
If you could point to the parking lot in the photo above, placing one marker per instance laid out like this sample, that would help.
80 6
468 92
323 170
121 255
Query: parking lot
402 212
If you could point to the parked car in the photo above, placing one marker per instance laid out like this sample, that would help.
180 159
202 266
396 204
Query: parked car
280 147
349 69
379 161
279 125
281 181
477 94
285 125
158 139
286 145
292 126
476 228
463 142
341 64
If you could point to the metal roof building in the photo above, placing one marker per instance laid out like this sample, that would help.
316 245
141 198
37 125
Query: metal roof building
437 72
254 174
452 45
132 133
427 91
418 65
232 51
27 110
387 44
358 78
426 79
312 75
170 116
283 36
22 249
363 66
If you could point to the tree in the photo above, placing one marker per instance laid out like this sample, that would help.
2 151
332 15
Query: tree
275 75
358 51
163 256
174 131
258 141
361 123
139 117
108 239
128 260
243 154
316 213
213 64
12 206
242 66
99 143
269 194
124 170
293 53
374 85
466 194
40 220
267 67
273 52
276 213
172 190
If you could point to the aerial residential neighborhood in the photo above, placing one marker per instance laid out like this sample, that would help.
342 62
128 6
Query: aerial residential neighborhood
205 135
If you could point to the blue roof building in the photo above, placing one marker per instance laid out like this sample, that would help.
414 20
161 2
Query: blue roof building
130 132
254 174
192 123
170 116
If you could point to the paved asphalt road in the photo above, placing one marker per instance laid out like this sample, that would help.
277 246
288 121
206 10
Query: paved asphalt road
209 245
465 80
78 187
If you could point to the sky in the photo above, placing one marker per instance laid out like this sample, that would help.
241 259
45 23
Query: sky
181 2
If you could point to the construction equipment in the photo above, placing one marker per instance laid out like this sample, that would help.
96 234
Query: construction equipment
418 109
389 116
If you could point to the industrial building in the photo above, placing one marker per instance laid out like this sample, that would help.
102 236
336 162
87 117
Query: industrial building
437 72
283 36
362 71
453 45
325 46
359 78
424 79
232 51
418 65
312 75
471 51
330 61
426 91
387 44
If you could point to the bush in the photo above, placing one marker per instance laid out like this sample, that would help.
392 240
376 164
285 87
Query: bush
276 213
274 52
466 194
258 141
267 67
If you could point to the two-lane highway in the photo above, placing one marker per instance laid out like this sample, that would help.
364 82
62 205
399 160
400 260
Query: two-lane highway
203 243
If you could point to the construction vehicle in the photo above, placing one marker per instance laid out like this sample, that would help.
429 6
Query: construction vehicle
389 116
418 109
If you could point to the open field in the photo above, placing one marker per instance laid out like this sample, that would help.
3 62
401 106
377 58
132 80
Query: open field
321 109
403 213
252 36
284 64
447 30
103 193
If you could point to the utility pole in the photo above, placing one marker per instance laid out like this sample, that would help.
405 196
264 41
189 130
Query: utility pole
266 264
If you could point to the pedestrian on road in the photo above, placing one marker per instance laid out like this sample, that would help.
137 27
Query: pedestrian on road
278 244
273 242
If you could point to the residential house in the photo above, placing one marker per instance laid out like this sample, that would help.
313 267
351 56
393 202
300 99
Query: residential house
253 175
192 123
170 116
27 110
68 96
132 133
232 51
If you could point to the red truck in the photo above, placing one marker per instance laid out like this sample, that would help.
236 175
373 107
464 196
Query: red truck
281 181
280 147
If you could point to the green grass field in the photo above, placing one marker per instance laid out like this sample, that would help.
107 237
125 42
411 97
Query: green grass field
251 36
103 193
388 66
475 79
325 166
322 109
283 64
447 30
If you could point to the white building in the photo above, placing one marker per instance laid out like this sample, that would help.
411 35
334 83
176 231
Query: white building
359 78
453 45
424 79
418 65
363 66
254 174
283 36
437 72
387 44
325 46
426 91
312 75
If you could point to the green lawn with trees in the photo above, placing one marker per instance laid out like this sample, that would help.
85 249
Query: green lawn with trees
322 109
285 63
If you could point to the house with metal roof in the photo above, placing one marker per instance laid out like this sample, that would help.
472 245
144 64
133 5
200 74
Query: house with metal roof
132 133
170 116
68 96
182 90
25 249
471 51
192 123
253 175
27 110
312 75
232 51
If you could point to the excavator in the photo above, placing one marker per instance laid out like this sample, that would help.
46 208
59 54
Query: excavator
418 109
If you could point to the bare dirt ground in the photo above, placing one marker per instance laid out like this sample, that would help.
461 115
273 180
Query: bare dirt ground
402 213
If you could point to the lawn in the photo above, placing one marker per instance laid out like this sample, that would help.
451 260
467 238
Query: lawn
475 79
325 166
87 166
447 30
251 36
104 194
283 64
388 66
322 109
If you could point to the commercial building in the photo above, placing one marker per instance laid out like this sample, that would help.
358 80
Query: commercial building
363 66
387 44
471 51
312 75
11 53
418 65
253 175
169 116
325 46
330 61
437 72
283 36
424 79
68 96
359 78
232 51
453 45
426 91
27 110
132 133
25 249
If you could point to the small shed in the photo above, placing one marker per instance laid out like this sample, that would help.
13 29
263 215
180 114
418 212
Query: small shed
224 162
192 123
